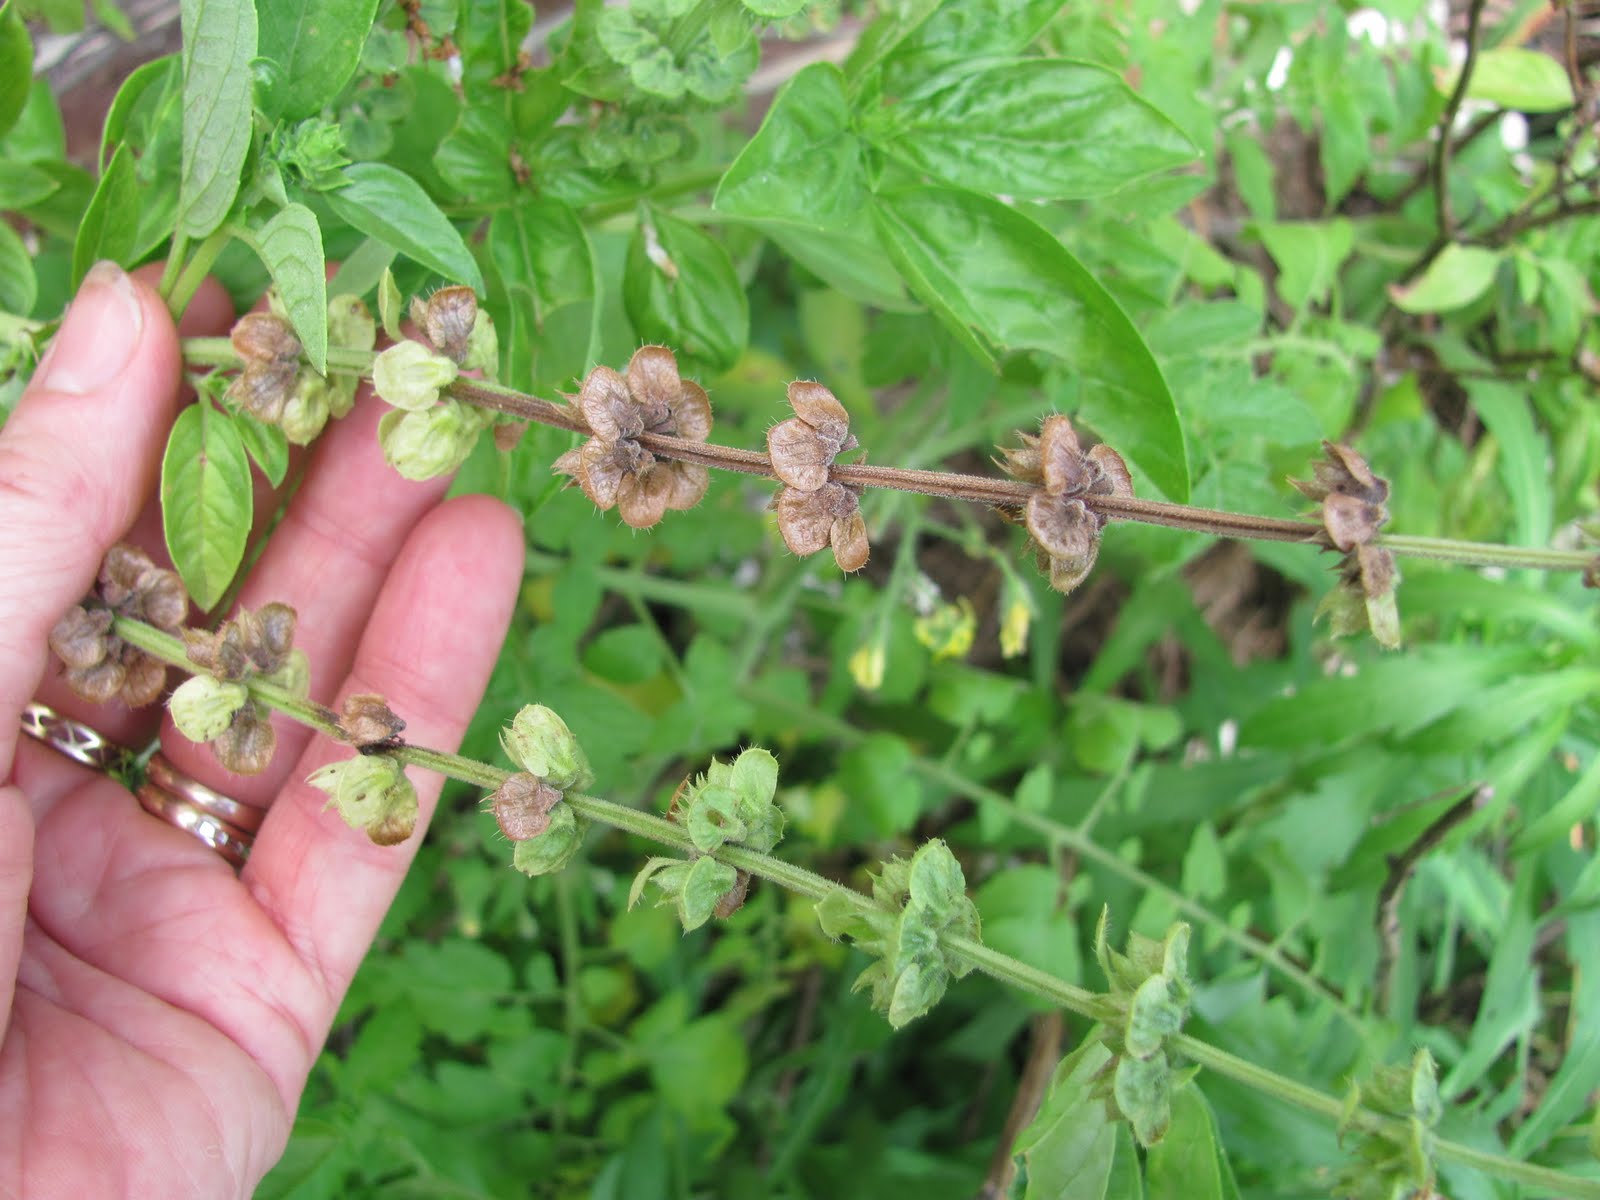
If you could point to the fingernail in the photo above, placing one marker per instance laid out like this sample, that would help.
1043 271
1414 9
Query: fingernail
98 337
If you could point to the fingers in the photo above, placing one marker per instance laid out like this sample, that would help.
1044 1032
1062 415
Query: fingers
327 559
16 876
77 459
429 649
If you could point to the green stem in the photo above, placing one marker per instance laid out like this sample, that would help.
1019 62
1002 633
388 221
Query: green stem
195 270
1481 554
996 965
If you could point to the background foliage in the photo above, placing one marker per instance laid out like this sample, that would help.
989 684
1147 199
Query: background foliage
1214 234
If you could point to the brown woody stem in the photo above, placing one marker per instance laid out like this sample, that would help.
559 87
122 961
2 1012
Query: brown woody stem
978 489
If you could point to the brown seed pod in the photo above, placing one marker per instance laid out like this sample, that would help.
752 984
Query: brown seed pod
80 637
732 900
145 677
447 319
522 806
367 720
260 337
247 745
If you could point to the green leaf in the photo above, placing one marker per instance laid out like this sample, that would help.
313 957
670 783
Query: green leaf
1308 255
549 322
680 289
19 285
804 166
315 46
389 205
1033 127
1457 277
1069 1145
111 222
1567 1094
16 66
476 158
707 882
290 245
1188 1163
1515 78
154 77
23 185
1510 1005
266 446
1000 281
219 42
1508 414
206 502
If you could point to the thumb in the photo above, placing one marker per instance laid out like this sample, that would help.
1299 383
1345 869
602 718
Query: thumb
78 458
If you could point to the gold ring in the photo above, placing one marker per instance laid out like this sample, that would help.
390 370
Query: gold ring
76 740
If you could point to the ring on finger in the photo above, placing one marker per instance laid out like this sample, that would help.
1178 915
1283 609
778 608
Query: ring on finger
231 843
243 817
77 741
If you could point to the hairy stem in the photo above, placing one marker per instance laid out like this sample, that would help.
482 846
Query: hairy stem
1009 494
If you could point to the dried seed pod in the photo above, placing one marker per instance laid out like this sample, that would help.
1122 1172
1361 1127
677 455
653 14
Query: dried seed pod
79 639
831 515
246 746
274 636
733 899
612 467
261 337
522 806
366 720
802 449
1068 537
263 389
144 677
100 683
448 318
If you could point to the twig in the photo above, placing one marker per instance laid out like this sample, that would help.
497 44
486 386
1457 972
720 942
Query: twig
1401 867
1044 1048
1447 120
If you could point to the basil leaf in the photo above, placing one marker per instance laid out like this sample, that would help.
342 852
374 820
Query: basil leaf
205 501
219 41
1035 127
315 46
680 289
22 185
547 320
111 222
19 285
804 164
1000 282
154 78
16 66
290 246
266 445
388 205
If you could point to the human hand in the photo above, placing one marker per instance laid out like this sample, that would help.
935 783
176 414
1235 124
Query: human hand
159 1013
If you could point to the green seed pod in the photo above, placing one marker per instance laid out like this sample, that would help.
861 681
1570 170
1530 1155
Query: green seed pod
202 707
307 409
552 849
421 445
483 347
350 325
540 743
360 788
408 375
